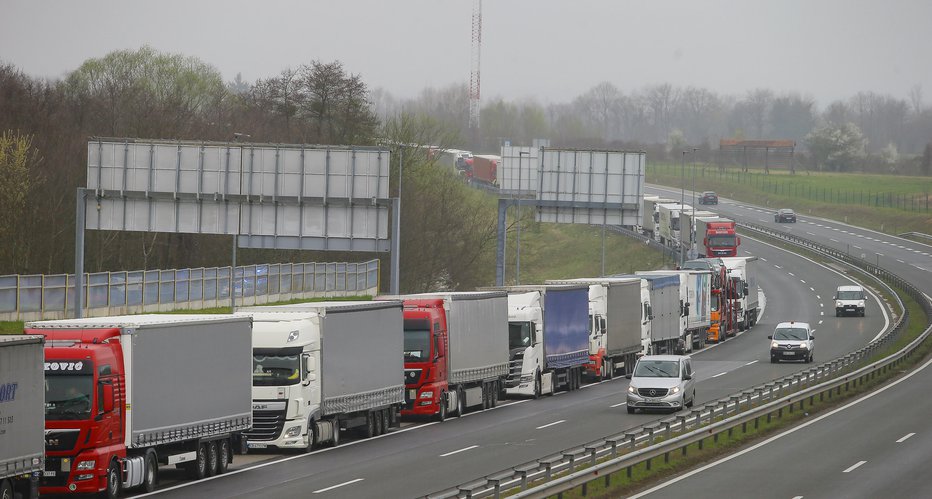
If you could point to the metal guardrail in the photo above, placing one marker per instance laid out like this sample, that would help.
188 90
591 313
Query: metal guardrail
667 251
40 297
661 437
920 235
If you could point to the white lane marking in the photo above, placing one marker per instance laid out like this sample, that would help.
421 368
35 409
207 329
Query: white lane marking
901 261
802 281
752 362
780 435
777 266
833 240
619 405
903 439
505 404
854 467
856 247
818 297
762 259
820 322
798 497
551 424
792 274
821 304
720 374
810 287
337 486
879 254
821 313
807 232
464 449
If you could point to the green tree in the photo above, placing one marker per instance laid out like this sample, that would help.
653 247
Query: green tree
19 181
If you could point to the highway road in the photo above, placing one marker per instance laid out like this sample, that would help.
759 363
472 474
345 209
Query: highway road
876 446
427 457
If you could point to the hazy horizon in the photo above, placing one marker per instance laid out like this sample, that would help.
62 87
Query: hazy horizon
546 50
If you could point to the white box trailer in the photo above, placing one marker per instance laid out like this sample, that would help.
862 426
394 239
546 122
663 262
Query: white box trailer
698 299
22 413
690 238
669 228
743 270
651 215
320 367
666 333
617 323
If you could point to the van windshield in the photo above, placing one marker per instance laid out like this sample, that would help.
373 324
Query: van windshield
657 369
850 295
791 333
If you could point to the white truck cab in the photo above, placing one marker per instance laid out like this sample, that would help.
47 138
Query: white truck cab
526 342
850 300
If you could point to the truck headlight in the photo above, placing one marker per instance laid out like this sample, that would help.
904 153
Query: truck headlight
86 465
429 394
294 431
632 389
838 304
775 345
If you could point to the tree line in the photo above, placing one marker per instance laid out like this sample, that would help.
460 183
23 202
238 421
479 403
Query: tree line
447 230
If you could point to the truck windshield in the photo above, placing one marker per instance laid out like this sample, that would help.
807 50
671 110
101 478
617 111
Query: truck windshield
68 396
519 335
722 240
276 369
417 345
850 295
657 369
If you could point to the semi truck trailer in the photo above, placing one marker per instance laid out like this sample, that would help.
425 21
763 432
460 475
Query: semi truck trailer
319 368
743 271
618 322
548 336
127 395
696 313
455 351
666 333
22 411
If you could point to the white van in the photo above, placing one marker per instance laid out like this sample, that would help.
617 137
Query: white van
850 300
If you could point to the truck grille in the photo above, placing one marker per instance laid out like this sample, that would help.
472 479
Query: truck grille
53 465
652 392
61 440
266 425
412 376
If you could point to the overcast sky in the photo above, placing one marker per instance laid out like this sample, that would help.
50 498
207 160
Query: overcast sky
547 49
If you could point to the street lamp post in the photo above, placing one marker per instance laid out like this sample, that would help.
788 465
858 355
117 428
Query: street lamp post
692 225
518 208
682 202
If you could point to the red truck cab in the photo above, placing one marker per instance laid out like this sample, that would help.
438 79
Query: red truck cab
84 423
425 340
720 239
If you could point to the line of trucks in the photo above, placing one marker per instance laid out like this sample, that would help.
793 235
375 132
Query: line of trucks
705 234
121 402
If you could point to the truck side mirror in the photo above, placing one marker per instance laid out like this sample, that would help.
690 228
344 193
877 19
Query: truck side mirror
308 365
604 324
686 310
108 397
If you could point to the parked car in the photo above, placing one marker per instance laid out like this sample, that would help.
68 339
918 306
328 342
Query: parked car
791 341
785 215
662 382
850 300
708 197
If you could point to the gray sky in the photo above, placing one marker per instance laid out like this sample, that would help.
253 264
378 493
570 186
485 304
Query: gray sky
547 49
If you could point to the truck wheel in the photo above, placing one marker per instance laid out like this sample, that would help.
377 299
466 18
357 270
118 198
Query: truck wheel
336 433
610 370
212 458
114 482
198 469
442 412
6 490
311 436
151 477
223 452
537 387
369 429
486 403
386 421
493 391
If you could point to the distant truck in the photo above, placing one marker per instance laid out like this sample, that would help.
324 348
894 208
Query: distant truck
689 224
667 335
743 272
484 170
127 394
455 351
322 367
716 237
696 315
548 334
22 411
670 223
651 212
618 323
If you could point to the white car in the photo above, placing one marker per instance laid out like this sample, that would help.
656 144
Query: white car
661 382
850 300
792 341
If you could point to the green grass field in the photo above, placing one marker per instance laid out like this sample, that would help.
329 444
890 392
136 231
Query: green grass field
888 203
